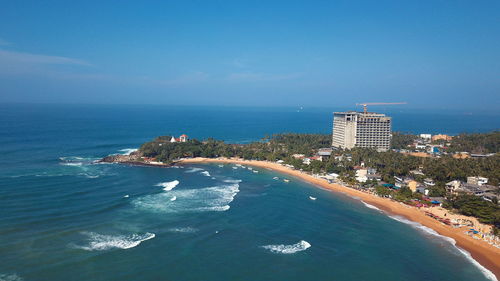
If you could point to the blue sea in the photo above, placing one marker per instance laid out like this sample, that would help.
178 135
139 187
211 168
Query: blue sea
63 217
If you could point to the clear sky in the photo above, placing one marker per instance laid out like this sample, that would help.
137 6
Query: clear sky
441 54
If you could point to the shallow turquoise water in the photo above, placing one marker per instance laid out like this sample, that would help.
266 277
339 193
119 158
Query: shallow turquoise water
65 218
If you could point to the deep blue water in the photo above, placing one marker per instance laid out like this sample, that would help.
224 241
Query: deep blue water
65 218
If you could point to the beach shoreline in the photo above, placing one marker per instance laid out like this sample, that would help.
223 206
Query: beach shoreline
486 255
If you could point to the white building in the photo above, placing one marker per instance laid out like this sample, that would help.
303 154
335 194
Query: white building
427 137
477 180
362 175
358 129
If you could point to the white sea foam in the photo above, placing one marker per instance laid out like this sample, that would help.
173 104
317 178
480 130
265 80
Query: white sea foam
429 231
128 151
71 158
169 185
173 198
205 173
193 170
370 206
220 166
288 249
232 181
10 277
490 275
213 208
183 229
215 198
100 242
255 171
71 163
89 176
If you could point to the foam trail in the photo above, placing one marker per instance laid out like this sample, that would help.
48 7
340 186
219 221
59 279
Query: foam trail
10 277
215 198
169 185
100 242
71 158
370 206
128 151
72 164
452 241
288 249
183 229
232 181
193 170
205 173
484 270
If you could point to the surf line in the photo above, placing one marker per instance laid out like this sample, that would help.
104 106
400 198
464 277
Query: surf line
484 254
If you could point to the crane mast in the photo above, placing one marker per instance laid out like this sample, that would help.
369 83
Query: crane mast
366 104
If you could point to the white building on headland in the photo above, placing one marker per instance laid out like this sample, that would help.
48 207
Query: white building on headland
182 138
358 129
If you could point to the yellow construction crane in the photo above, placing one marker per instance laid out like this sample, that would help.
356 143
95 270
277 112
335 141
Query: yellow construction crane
365 105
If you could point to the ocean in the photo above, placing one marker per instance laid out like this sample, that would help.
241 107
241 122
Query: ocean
63 217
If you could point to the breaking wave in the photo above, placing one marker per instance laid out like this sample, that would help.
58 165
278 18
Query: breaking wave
428 231
128 151
370 206
215 198
288 249
101 242
72 163
193 170
169 185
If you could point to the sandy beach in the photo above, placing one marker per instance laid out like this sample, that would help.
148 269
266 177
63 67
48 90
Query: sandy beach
486 254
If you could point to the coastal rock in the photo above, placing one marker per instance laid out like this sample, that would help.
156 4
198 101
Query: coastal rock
119 158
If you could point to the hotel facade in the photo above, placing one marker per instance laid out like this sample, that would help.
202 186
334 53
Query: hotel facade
359 129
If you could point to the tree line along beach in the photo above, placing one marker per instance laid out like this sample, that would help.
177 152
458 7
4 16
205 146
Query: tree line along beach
477 235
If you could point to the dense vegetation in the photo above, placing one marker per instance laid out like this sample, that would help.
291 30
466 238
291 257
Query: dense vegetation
283 146
388 164
476 143
401 141
470 205
278 146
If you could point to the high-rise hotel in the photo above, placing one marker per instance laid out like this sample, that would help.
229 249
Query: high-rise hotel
361 129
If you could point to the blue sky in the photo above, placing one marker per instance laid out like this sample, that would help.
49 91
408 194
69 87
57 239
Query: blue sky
440 54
